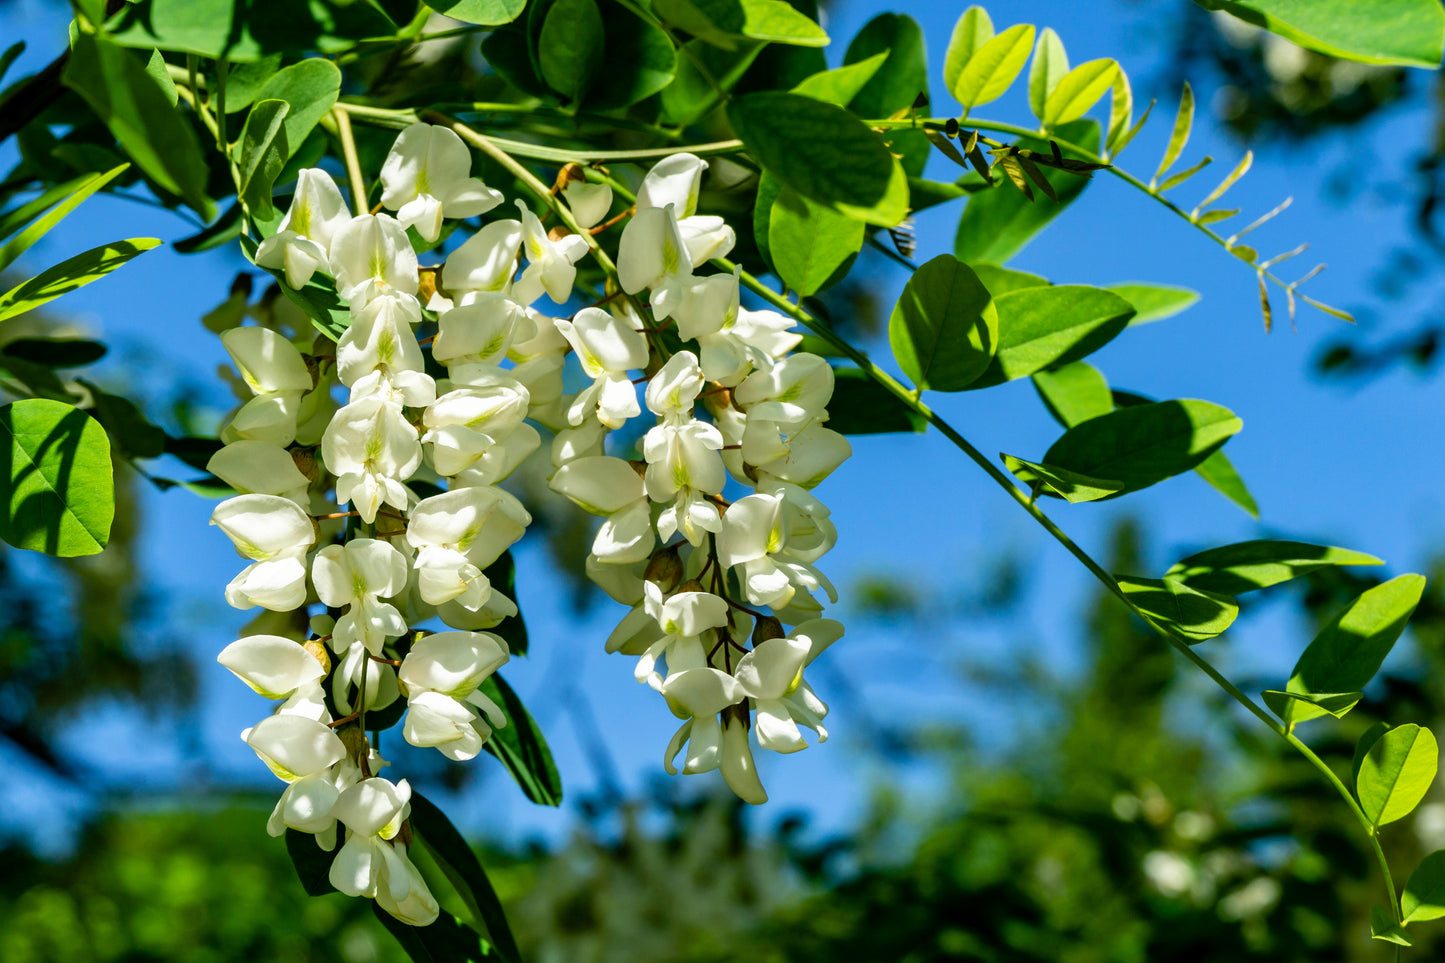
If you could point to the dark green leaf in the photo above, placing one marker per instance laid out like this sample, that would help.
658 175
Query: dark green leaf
244 82
485 12
313 864
809 242
1052 480
768 192
861 406
318 299
9 56
1424 895
212 29
1383 927
130 431
1191 615
1247 566
1051 326
263 150
1396 773
569 48
692 95
502 575
59 492
70 274
824 153
459 862
445 940
55 352
1074 393
1405 32
944 328
897 85
152 132
1347 652
640 60
34 219
225 229
1144 445
521 748
996 224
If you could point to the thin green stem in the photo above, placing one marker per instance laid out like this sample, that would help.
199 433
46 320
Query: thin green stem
353 164
911 400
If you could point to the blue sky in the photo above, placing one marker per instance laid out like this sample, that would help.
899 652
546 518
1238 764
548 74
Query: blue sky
1356 466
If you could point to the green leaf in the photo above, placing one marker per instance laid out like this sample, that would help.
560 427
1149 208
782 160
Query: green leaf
824 153
485 12
1078 90
861 406
1367 739
444 940
726 23
264 149
1045 327
244 82
944 328
1424 895
1248 566
1050 65
1154 302
1074 393
641 60
1052 480
997 223
1337 704
993 68
1144 445
1396 773
701 70
520 746
11 54
72 273
313 864
318 299
897 85
129 430
569 48
1220 473
1192 615
60 493
768 192
40 215
310 88
1409 33
1001 280
223 230
55 352
809 243
843 84
1121 114
1347 652
251 31
1383 927
502 575
459 862
1183 124
151 131
973 29
776 21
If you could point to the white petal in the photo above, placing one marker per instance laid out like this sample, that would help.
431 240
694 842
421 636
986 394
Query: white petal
273 666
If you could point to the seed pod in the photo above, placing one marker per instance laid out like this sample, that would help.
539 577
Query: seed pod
664 568
767 628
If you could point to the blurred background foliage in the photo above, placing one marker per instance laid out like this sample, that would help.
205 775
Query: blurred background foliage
1112 825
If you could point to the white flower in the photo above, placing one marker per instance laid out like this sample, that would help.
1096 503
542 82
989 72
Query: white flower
754 538
478 332
608 347
812 455
738 769
371 255
772 676
360 574
300 247
611 488
294 746
427 176
792 392
673 390
485 263
369 864
589 202
380 337
550 264
467 422
270 665
498 461
653 255
459 533
268 363
416 906
371 449
275 534
697 696
746 339
355 666
441 674
683 619
255 467
707 305
677 180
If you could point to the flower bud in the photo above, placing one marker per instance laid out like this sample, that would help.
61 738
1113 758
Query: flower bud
767 628
354 739
305 459
691 585
664 568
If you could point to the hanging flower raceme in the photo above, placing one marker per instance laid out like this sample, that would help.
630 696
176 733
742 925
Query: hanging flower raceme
368 498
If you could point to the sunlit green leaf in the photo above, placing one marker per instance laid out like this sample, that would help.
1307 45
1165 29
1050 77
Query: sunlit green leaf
263 152
1347 652
1405 32
843 84
1248 566
1002 280
1221 475
1154 302
1383 927
1424 894
1121 113
993 67
1192 615
726 23
973 29
59 493
485 12
809 243
310 88
1043 327
1052 480
1183 124
1074 393
1337 704
944 328
1050 65
1396 773
1078 90
70 274
34 219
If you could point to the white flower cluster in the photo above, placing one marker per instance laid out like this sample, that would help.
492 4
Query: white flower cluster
696 568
